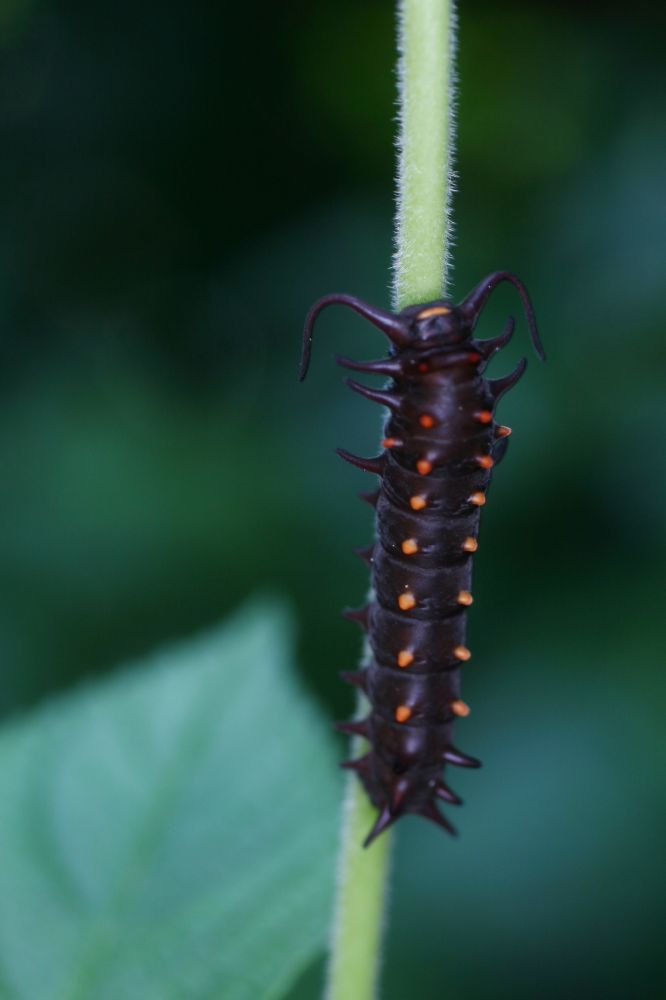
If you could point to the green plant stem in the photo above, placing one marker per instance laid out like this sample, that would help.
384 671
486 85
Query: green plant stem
426 42
362 882
425 167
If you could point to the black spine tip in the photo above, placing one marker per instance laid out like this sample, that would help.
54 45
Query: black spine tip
383 821
358 678
357 727
388 399
358 615
446 794
431 812
383 366
487 348
370 498
458 759
365 553
374 465
360 764
498 386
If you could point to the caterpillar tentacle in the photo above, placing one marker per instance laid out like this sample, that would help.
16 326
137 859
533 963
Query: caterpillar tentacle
441 445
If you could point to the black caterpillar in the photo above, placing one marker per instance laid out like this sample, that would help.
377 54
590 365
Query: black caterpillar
440 446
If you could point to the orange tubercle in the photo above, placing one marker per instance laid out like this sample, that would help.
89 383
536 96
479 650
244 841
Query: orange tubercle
464 597
502 431
426 420
478 499
473 358
423 367
485 461
459 707
391 443
418 502
405 658
402 713
424 467
406 601
462 653
483 416
470 544
433 311
409 546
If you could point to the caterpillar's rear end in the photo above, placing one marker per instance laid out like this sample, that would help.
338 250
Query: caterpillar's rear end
440 447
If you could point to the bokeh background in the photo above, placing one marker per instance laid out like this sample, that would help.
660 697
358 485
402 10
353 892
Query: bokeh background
177 184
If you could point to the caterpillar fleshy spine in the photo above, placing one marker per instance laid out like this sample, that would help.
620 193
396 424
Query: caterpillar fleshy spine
441 444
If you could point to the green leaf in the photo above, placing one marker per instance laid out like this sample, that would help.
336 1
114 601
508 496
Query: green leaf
170 833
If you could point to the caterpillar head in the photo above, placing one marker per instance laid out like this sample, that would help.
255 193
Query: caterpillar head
435 324
429 326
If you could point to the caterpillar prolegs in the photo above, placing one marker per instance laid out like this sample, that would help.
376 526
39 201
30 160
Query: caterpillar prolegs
440 446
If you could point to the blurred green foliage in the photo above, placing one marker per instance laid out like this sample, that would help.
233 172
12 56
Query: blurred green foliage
149 849
177 184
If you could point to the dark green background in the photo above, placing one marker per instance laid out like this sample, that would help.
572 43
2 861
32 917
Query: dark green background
177 184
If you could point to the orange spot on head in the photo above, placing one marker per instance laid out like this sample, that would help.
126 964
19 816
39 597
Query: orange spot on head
470 544
460 708
462 653
402 713
483 416
424 467
473 358
485 461
478 499
406 601
426 420
423 367
433 311
418 502
409 546
464 597
391 443
502 431
405 658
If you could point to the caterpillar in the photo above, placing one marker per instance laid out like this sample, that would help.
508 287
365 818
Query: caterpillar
441 443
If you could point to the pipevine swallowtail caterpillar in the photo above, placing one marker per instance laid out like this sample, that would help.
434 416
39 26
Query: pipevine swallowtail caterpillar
441 443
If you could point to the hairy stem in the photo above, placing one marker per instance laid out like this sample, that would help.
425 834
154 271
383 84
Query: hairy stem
425 144
423 227
362 875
